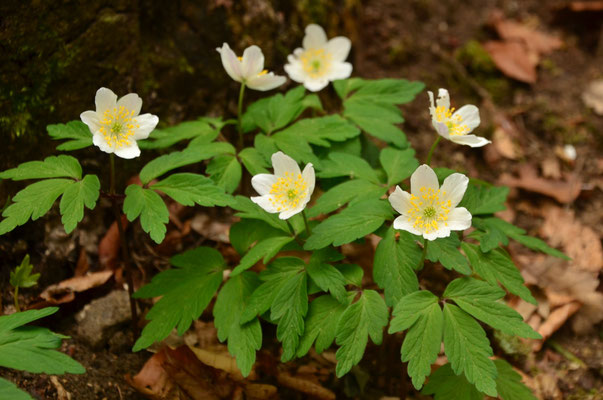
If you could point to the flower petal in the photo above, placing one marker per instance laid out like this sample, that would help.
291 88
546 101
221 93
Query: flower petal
310 178
91 119
400 200
282 163
443 99
98 139
340 70
295 69
253 62
339 48
470 116
265 203
423 177
315 85
230 62
403 223
265 82
469 140
289 213
131 151
459 219
454 188
105 99
315 37
440 233
147 123
431 106
262 183
132 102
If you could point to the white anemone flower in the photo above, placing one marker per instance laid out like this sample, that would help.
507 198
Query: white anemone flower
320 61
430 210
116 124
455 125
287 191
249 69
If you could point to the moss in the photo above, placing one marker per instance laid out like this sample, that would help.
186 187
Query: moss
475 57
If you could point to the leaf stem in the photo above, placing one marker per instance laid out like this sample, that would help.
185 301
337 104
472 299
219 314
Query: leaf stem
17 299
433 146
298 240
306 223
240 116
423 254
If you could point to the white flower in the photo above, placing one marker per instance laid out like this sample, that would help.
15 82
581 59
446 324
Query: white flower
320 61
287 191
116 124
429 210
249 69
455 125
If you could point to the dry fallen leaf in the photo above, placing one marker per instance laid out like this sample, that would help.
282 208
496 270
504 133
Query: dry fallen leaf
555 320
109 246
563 191
593 96
551 168
593 5
220 358
305 386
64 292
514 59
505 145
537 41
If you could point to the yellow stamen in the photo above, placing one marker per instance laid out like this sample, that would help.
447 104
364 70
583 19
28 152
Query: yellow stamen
454 123
117 126
429 209
288 191
316 62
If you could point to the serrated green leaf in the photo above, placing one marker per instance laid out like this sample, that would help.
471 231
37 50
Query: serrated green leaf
468 349
76 133
190 189
22 277
226 171
153 212
482 200
253 160
398 164
265 249
275 112
327 277
244 233
264 145
508 383
344 87
446 251
32 202
354 222
200 130
496 266
539 245
319 131
353 273
444 384
349 191
75 197
244 339
294 147
420 313
394 266
365 318
52 167
342 164
185 292
248 209
9 390
320 324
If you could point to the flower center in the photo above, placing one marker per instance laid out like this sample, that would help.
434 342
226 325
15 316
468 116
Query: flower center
117 126
316 62
288 191
454 123
428 210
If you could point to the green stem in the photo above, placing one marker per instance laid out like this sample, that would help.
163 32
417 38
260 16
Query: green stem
293 233
240 116
17 299
566 353
306 223
422 262
433 146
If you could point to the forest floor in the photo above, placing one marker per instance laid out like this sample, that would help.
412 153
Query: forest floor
555 195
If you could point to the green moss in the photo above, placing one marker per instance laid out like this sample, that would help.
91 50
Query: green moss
475 57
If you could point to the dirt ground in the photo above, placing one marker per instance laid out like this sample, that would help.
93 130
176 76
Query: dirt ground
418 40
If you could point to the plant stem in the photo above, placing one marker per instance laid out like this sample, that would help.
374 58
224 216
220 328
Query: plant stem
433 146
239 117
293 233
125 250
422 262
306 223
17 299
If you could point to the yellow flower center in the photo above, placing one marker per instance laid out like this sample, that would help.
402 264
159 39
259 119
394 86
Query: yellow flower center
454 123
316 62
117 126
428 210
288 191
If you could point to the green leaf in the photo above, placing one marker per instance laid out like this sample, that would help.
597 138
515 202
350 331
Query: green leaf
349 191
344 87
244 339
192 155
254 161
446 251
420 313
199 130
264 145
226 172
275 112
394 266
365 318
8 390
319 130
444 384
468 349
190 189
356 221
479 299
185 292
248 209
482 200
32 202
265 249
30 348
327 277
76 196
539 245
509 383
22 276
342 164
52 167
296 148
153 212
353 273
323 315
76 133
248 231
496 266
398 164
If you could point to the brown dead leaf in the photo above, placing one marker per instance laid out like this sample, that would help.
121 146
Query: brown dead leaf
594 5
260 391
305 386
505 145
108 247
64 292
538 42
555 320
220 358
593 96
82 265
551 168
62 394
563 191
514 59
211 228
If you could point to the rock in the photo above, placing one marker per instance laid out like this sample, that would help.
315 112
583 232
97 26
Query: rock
100 319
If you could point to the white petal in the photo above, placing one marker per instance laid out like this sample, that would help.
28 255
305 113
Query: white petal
443 99
295 69
403 223
340 70
147 123
442 129
265 82
459 219
132 102
282 163
431 106
440 233
99 141
265 203
400 200
315 37
90 118
469 140
423 177
262 183
454 188
253 62
230 62
339 48
131 151
289 213
310 178
315 85
105 99
470 116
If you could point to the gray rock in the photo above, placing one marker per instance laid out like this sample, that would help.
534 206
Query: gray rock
100 319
